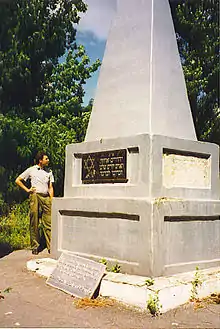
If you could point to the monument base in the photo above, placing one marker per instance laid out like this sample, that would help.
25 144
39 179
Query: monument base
150 238
160 217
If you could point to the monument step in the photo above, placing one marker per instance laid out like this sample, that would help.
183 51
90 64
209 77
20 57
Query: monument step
172 291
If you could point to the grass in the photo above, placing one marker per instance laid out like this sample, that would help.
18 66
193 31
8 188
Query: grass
14 228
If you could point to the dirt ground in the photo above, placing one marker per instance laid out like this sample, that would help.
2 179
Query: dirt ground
29 302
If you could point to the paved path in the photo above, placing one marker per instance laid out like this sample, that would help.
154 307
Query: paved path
32 303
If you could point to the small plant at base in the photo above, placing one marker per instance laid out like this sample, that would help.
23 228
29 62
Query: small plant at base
7 290
153 304
197 282
103 261
149 282
116 268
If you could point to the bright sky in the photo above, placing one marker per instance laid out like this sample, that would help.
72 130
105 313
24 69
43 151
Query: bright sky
92 33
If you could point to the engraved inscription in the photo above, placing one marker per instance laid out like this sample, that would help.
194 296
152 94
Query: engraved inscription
189 171
76 275
104 167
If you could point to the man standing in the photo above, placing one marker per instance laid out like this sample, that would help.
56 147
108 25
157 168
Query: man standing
40 195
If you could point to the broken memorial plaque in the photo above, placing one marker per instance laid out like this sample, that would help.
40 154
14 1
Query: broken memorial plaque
76 275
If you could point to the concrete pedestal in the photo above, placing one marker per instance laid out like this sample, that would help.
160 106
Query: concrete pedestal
163 220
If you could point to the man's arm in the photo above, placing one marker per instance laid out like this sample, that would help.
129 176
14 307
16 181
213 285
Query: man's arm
19 182
50 190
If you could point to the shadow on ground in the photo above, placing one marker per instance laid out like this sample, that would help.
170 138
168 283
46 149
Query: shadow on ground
5 249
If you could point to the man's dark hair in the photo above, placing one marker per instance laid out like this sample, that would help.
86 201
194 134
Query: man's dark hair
39 156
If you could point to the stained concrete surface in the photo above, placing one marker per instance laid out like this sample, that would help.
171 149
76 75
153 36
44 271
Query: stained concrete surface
31 303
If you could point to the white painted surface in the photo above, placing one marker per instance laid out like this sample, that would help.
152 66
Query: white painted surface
191 241
125 232
141 87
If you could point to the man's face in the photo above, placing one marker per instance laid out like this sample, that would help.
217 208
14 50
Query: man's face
45 161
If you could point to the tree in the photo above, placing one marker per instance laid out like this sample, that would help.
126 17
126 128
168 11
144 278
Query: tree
197 29
61 116
34 35
41 99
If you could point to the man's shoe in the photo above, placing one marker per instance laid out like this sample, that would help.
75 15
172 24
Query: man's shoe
35 252
40 248
48 251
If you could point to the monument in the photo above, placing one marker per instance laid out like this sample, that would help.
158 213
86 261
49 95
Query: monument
141 190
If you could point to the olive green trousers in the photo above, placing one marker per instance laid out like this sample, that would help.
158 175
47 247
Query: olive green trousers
44 202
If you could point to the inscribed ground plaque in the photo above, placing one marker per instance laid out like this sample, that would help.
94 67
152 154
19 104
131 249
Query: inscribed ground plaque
76 275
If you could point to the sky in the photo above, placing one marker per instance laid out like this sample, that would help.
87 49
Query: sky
92 32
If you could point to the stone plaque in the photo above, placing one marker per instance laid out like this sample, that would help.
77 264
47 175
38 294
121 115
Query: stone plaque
104 167
189 171
76 275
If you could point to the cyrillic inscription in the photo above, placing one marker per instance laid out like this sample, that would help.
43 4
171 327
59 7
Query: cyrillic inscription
76 275
104 167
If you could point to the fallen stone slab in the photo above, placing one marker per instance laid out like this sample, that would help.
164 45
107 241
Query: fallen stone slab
77 276
170 292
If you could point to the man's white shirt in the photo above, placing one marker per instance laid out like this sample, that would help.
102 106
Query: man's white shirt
39 177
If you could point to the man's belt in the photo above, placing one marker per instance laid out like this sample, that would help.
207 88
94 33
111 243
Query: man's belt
43 194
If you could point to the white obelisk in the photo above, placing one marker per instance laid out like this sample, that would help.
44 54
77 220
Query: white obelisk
141 87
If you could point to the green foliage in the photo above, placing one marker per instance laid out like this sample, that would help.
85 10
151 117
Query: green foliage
196 283
103 261
14 228
149 282
197 29
153 304
116 268
7 290
34 34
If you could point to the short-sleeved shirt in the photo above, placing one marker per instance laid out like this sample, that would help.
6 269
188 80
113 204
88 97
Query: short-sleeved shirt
40 178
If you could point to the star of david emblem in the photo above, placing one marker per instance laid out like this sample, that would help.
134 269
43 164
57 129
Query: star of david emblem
89 165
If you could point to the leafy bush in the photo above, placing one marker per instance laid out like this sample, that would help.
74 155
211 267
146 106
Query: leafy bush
14 228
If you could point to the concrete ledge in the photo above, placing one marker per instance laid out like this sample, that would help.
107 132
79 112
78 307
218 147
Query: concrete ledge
172 291
43 266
